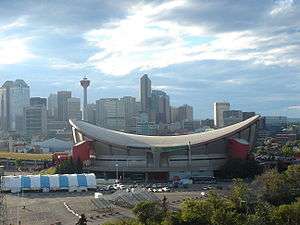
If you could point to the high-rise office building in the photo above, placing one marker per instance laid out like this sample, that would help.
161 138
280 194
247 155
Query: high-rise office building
219 108
144 126
52 106
207 123
38 101
231 117
56 128
14 97
275 123
130 113
247 115
145 89
110 113
36 117
191 125
185 113
160 107
35 120
174 111
73 108
138 107
91 113
62 104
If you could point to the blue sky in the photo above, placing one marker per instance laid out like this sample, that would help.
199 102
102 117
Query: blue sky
199 52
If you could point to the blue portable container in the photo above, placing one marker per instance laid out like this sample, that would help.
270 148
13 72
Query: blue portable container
63 182
82 182
45 182
25 182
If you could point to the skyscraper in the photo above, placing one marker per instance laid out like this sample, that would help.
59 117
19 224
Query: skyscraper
35 120
160 107
247 115
111 113
91 113
145 88
185 113
85 83
52 106
14 96
35 117
231 117
130 113
73 109
38 101
219 108
174 111
62 104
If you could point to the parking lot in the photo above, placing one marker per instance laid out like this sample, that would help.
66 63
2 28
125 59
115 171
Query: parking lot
49 208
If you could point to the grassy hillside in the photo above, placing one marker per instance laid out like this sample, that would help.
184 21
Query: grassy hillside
25 156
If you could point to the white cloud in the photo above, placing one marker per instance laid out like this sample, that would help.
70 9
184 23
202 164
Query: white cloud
234 81
282 6
141 42
294 107
14 50
20 22
64 64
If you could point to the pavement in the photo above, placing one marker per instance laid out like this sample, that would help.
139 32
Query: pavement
50 208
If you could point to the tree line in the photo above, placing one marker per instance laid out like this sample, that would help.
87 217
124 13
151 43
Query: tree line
271 199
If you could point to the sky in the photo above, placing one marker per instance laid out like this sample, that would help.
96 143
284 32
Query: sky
244 52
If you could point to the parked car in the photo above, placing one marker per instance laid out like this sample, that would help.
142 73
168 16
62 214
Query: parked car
166 189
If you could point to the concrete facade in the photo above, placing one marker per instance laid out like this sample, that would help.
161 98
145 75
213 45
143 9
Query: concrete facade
219 108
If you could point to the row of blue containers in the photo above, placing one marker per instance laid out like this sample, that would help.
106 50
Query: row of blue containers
46 183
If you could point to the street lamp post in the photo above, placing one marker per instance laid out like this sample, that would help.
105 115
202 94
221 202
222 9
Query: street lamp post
117 171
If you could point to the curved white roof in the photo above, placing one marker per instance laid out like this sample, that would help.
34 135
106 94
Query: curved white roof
141 141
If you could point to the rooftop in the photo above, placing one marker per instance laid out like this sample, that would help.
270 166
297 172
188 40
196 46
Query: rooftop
141 141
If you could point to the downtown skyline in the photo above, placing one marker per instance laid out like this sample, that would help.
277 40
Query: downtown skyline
251 61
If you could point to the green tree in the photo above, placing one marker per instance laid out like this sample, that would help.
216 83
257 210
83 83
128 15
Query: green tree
149 212
223 216
68 167
242 198
18 162
214 210
293 178
262 214
287 151
271 186
196 212
173 218
287 214
236 168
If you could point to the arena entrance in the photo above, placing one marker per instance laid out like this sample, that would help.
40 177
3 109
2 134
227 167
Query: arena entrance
158 176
